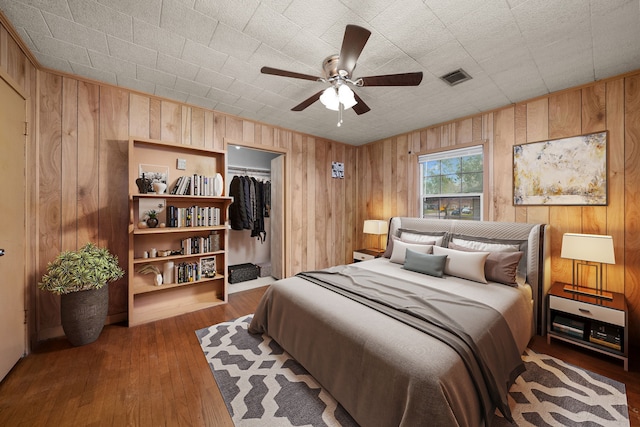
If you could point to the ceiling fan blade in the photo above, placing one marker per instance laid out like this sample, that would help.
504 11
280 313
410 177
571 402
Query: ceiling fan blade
354 40
284 73
304 104
404 79
360 107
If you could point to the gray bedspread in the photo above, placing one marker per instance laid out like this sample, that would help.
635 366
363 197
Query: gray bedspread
383 371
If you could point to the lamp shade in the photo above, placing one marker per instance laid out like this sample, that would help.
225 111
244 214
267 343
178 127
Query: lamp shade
329 98
346 96
588 247
375 226
332 97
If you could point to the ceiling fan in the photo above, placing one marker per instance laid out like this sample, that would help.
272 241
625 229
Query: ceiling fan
338 69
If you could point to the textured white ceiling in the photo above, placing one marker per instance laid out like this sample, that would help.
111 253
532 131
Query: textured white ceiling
209 52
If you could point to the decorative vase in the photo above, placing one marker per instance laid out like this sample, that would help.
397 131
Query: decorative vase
83 314
159 187
144 184
167 272
152 222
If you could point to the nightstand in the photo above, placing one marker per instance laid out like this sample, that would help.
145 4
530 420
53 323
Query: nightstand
366 254
589 322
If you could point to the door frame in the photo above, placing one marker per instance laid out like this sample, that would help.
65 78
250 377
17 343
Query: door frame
29 291
287 193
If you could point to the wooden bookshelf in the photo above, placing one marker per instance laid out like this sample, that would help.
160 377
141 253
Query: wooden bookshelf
148 301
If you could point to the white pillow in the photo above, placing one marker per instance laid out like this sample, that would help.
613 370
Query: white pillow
486 246
466 265
400 250
415 237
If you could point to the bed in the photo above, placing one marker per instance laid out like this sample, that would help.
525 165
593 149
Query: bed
398 346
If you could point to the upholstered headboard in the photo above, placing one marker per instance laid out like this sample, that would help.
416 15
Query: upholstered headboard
533 239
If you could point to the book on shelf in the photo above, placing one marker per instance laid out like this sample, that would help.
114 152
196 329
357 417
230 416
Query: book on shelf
187 272
607 335
568 326
174 190
195 185
198 245
605 343
576 333
568 321
194 216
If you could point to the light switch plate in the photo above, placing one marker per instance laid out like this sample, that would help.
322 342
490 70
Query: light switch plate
182 164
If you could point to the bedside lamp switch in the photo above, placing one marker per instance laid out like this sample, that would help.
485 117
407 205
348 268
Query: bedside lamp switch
182 164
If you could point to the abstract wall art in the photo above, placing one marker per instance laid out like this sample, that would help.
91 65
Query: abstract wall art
566 171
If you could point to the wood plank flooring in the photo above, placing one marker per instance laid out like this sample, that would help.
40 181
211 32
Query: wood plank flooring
156 374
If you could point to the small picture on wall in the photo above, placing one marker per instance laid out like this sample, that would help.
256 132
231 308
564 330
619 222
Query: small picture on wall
155 173
337 170
208 267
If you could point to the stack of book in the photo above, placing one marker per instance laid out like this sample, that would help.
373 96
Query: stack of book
568 326
187 272
198 245
606 335
195 185
194 216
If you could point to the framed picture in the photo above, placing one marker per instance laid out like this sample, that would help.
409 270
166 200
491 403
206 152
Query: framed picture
337 170
208 267
566 171
156 173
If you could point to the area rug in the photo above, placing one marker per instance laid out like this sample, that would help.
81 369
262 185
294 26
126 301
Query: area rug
263 386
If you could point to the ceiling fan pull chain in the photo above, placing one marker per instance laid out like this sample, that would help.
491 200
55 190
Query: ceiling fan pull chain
340 110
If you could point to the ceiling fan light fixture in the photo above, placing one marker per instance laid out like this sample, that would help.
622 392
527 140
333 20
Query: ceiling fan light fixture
337 70
346 96
330 99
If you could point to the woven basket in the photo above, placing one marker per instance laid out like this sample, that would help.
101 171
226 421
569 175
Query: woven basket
83 314
242 272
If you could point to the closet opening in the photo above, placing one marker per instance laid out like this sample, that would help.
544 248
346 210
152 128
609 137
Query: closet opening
255 179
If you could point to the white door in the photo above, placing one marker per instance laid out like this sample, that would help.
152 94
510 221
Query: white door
12 227
277 217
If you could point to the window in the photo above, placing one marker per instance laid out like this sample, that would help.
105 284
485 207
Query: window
452 183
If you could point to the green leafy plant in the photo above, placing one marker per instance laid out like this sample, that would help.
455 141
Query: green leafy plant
152 213
89 267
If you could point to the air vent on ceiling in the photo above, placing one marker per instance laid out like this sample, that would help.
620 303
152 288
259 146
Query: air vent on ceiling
456 77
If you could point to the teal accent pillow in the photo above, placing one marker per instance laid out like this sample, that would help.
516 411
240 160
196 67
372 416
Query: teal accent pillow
433 265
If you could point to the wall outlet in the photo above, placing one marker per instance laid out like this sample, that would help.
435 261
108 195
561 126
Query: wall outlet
182 164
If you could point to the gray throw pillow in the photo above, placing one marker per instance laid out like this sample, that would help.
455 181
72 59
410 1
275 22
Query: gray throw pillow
433 265
500 267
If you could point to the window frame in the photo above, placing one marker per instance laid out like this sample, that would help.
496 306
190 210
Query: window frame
485 174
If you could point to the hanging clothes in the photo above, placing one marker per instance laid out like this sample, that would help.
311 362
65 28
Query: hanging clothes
237 213
251 205
247 222
252 201
267 199
258 224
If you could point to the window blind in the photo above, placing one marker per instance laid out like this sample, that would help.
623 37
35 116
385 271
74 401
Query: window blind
451 154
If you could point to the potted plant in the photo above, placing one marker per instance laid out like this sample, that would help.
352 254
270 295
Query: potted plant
81 279
152 221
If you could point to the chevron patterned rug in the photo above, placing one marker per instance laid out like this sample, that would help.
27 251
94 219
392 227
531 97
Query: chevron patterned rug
262 385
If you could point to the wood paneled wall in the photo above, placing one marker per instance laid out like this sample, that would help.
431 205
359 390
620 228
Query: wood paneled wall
84 129
78 174
388 176
76 168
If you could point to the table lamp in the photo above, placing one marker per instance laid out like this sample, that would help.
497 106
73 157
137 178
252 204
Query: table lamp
587 251
376 227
